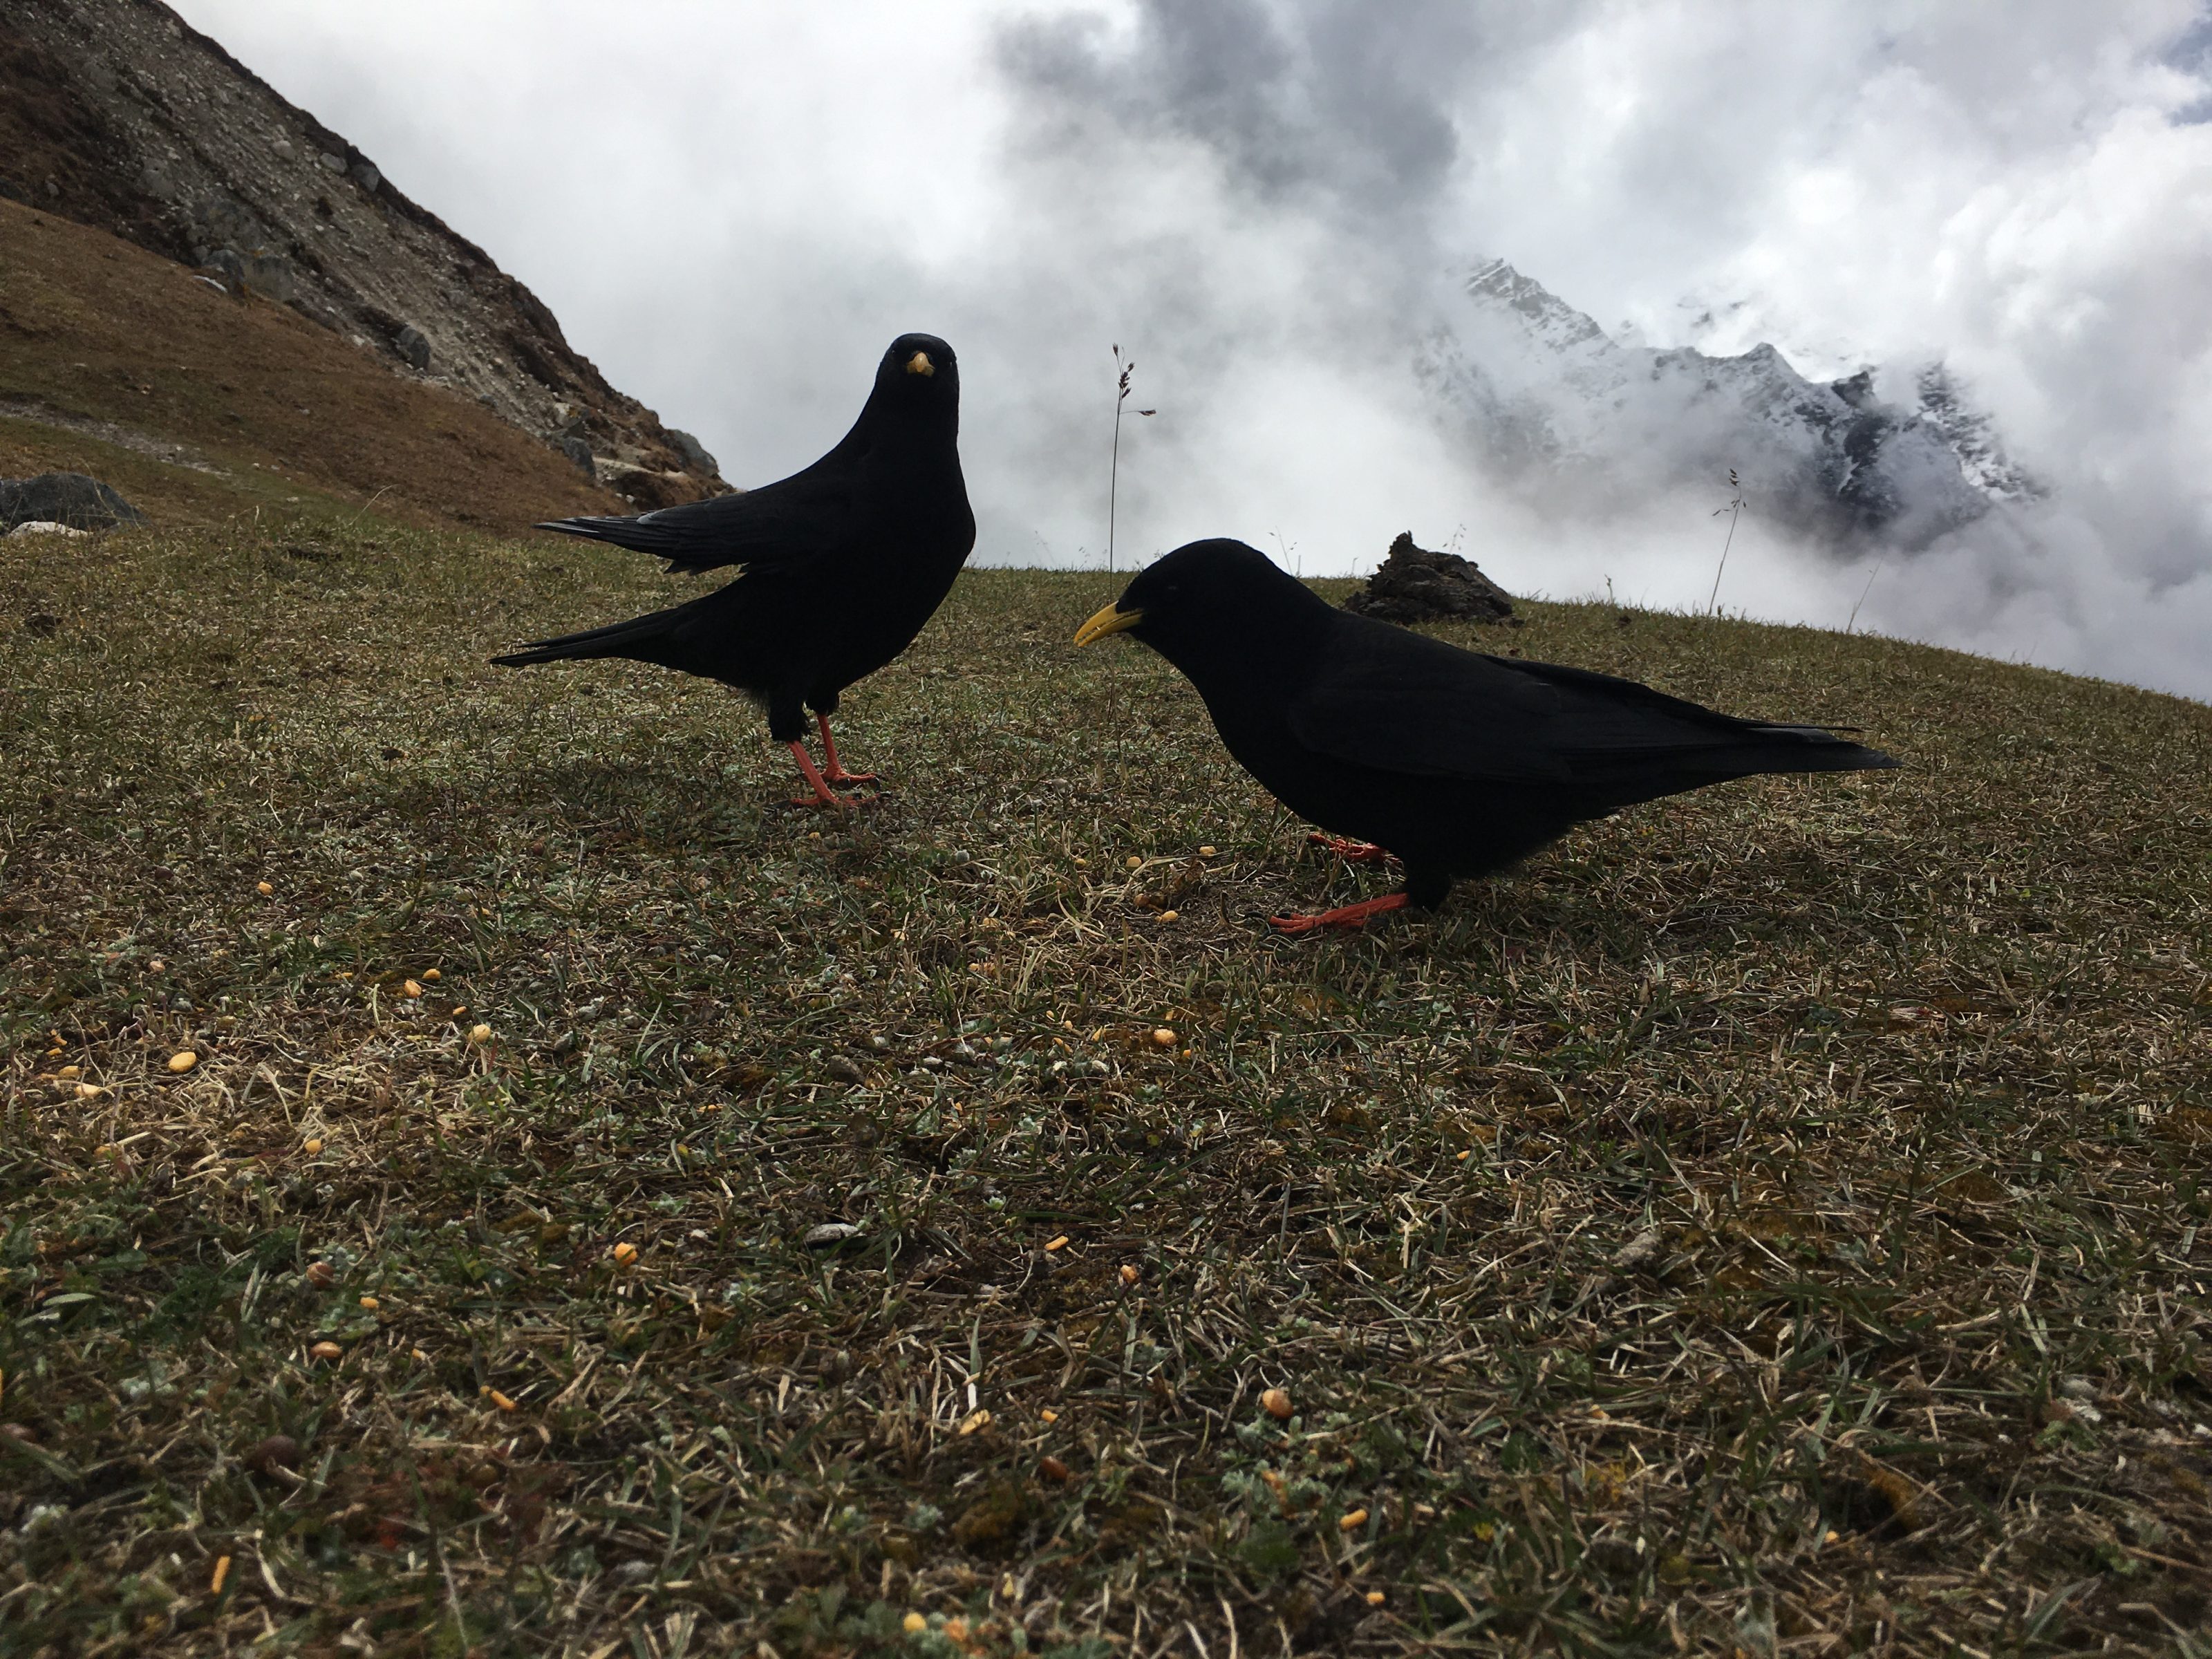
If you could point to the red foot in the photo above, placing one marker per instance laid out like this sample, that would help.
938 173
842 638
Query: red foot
836 772
1351 915
1351 851
821 796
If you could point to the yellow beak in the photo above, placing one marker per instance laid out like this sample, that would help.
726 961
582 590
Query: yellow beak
920 364
1111 620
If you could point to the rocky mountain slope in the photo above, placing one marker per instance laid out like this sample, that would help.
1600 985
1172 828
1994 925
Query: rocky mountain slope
204 406
118 114
1547 393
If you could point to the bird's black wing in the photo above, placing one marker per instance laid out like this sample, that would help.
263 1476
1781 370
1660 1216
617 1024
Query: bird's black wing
1417 706
772 525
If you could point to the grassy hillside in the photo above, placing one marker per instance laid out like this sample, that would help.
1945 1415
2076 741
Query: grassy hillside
242 405
1770 1222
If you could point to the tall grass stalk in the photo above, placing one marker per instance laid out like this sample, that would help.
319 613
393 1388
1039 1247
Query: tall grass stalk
1735 510
1122 371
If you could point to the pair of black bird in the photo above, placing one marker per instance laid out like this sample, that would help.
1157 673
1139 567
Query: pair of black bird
1454 763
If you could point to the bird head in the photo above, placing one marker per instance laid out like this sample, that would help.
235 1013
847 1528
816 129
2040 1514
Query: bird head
919 370
1210 605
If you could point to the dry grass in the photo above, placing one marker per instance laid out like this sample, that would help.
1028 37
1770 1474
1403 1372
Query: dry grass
1770 1223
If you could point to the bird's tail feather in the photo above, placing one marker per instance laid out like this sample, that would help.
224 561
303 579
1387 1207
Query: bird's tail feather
624 639
1825 749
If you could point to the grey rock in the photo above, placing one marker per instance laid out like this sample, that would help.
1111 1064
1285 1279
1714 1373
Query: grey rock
368 175
577 451
228 268
695 458
46 527
830 1234
271 276
332 163
1415 585
282 151
412 347
65 498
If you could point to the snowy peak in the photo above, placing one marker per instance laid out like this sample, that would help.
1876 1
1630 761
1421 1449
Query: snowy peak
1545 392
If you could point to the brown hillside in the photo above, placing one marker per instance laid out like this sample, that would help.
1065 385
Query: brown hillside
197 403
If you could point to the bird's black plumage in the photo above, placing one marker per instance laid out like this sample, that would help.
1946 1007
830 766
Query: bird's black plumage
1456 762
844 562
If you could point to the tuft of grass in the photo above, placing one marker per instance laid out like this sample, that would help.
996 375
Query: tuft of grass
1768 1222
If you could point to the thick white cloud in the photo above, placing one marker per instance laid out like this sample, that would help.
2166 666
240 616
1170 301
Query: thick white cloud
732 208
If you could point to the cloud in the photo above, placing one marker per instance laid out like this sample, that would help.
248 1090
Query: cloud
1270 203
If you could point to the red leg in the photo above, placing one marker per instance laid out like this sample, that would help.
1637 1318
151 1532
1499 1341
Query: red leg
1351 851
835 771
821 796
1351 915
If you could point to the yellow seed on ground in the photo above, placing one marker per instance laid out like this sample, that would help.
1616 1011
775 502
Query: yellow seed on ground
1058 1243
370 1304
89 1091
183 1060
914 1624
417 1354
1375 1598
1276 1402
1049 1415
411 988
1170 916
156 965
1465 1154
71 1071
499 1400
625 1253
221 1572
480 1033
1136 863
1129 1274
1164 1036
1206 852
1353 1521
264 888
312 1146
325 1351
975 1420
431 975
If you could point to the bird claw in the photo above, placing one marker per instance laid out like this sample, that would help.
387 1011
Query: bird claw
1349 915
834 775
1351 851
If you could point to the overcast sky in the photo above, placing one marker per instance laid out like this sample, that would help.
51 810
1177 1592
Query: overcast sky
732 209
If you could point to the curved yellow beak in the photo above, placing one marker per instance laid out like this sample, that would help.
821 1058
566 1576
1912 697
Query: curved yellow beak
1111 620
920 364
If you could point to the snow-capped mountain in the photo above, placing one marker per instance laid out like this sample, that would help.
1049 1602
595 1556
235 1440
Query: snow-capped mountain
1553 399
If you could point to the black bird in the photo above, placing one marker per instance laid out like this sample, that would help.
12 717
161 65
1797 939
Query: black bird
844 562
1455 764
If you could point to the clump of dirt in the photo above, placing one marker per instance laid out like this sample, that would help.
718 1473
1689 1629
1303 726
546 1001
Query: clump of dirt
1414 584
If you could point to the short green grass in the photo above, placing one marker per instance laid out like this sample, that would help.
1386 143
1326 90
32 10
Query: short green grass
1768 1223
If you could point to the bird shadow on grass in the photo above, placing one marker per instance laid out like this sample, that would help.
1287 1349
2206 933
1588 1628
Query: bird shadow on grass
1528 915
